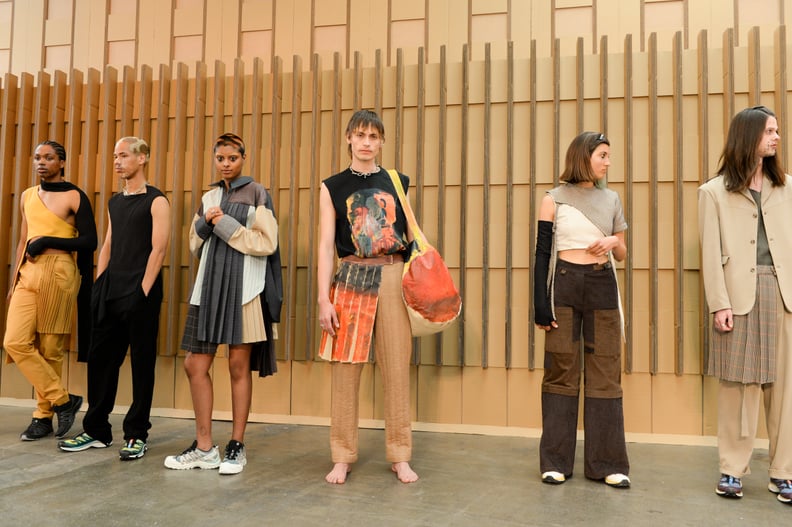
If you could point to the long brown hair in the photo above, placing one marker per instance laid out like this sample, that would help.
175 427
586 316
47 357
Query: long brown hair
738 160
364 119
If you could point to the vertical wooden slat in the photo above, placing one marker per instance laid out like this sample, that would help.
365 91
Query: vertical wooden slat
728 79
73 142
107 140
90 142
781 103
463 176
357 88
556 110
294 205
57 110
275 135
580 90
398 129
679 208
200 103
256 136
604 88
532 126
23 173
442 134
378 72
8 121
160 151
146 88
126 124
179 170
754 68
218 106
238 100
313 206
509 200
629 203
704 173
41 111
485 260
654 301
337 134
418 180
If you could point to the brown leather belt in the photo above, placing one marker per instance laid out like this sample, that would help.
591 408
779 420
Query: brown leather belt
388 259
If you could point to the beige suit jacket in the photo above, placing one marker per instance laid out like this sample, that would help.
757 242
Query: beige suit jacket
728 223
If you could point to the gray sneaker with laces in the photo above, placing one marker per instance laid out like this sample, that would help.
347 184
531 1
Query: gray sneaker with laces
234 460
194 458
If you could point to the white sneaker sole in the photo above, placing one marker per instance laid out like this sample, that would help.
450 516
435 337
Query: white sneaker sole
171 463
228 469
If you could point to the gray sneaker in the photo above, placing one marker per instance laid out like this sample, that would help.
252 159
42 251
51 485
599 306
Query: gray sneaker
234 459
194 458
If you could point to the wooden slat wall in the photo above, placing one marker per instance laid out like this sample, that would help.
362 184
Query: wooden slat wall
481 141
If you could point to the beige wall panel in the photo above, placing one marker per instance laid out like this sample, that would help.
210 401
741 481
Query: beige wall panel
120 26
544 147
522 142
310 388
666 220
485 396
616 28
453 232
473 308
271 395
154 33
368 29
524 398
57 58
496 231
709 15
666 351
520 245
639 225
165 374
407 35
447 25
757 13
408 9
676 404
187 22
521 321
327 41
293 32
57 31
13 383
637 398
641 321
221 382
474 226
330 12
691 340
496 334
489 29
480 7
257 15
75 373
690 242
27 44
439 394
222 33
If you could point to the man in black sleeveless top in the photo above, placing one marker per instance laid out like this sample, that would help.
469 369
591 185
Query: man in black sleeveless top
126 303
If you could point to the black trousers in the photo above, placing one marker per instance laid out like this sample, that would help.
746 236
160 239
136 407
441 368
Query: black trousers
587 339
130 323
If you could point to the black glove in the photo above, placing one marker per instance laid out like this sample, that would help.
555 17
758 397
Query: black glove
543 313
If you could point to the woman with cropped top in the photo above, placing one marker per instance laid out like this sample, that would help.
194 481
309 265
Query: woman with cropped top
576 296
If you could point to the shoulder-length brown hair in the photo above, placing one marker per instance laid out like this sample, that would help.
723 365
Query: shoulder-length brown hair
738 160
578 157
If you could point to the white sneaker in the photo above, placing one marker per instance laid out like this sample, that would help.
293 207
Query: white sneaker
234 460
194 458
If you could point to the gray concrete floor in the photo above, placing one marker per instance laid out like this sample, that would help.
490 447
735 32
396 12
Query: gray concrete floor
466 480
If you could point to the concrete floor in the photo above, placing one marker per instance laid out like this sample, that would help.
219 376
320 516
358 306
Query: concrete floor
466 480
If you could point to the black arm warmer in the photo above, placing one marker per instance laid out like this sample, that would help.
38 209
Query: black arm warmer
86 230
543 313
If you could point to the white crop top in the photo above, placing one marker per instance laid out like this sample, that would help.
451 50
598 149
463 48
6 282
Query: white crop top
573 230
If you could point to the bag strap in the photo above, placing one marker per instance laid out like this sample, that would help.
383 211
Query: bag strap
412 223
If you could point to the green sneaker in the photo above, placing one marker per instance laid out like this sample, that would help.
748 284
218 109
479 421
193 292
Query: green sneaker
81 442
133 449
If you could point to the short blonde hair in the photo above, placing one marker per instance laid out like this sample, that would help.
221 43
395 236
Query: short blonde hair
137 146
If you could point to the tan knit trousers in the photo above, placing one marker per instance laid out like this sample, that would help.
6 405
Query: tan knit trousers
392 348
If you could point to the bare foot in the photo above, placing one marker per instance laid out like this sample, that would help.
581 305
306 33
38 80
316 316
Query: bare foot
338 474
404 472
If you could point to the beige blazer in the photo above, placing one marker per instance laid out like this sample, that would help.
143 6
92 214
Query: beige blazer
728 223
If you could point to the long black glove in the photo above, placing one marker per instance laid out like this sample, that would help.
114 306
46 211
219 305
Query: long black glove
543 313
86 229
